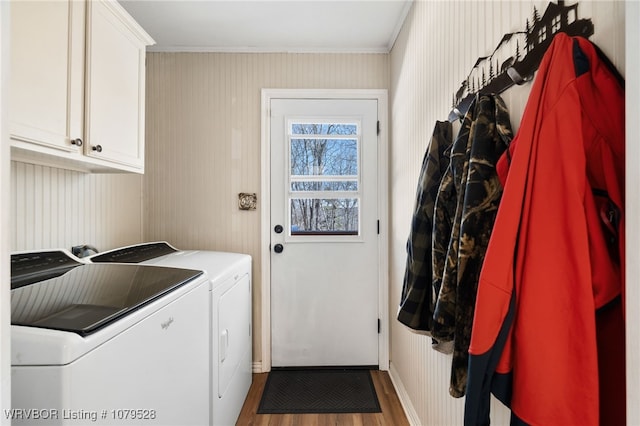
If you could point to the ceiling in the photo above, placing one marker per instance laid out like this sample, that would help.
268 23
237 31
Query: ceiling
270 26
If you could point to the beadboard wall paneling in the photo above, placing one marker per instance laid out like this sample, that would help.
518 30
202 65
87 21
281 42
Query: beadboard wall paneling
203 141
633 212
437 47
56 208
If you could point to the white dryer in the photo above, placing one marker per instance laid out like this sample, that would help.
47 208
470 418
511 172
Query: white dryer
107 344
230 316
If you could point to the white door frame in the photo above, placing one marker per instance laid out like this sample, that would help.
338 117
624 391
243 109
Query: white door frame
383 210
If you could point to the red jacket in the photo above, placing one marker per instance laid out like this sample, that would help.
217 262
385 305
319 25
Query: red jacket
556 253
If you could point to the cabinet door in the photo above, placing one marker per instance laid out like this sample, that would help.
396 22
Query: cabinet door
114 115
47 66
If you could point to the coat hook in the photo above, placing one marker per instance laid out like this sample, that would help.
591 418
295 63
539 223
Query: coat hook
516 77
455 114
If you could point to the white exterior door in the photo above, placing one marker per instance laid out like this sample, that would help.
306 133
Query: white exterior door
324 232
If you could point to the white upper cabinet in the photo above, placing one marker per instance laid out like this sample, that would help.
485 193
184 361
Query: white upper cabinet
77 85
47 74
115 75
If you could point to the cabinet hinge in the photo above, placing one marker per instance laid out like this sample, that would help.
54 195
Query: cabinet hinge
379 325
378 128
378 227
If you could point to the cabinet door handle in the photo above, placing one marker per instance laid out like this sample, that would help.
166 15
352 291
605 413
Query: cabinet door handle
97 148
76 142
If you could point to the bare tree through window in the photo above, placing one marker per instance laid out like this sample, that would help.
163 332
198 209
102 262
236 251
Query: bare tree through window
324 178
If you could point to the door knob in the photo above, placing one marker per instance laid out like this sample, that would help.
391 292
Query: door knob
278 229
278 248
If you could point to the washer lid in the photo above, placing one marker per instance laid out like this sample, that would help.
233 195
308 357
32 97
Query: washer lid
30 267
91 296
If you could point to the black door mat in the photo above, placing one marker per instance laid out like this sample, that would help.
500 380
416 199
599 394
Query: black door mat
319 391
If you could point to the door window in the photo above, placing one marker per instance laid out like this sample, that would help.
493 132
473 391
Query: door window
324 177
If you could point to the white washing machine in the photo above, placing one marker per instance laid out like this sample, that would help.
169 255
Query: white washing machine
231 342
107 344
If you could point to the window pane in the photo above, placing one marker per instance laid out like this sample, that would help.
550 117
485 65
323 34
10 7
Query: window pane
324 129
328 157
324 216
347 185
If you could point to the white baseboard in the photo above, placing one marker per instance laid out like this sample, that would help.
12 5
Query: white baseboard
405 401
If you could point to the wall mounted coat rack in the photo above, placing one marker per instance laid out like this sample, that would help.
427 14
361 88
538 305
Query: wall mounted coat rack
518 55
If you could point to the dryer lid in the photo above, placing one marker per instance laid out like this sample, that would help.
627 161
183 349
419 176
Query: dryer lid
134 254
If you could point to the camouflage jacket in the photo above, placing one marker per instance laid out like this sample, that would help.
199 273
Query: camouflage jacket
417 301
464 214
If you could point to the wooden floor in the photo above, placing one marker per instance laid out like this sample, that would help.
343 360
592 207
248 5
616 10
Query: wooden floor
392 412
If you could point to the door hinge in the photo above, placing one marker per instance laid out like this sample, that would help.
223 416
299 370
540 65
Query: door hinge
378 128
378 227
379 325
